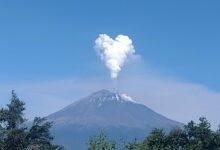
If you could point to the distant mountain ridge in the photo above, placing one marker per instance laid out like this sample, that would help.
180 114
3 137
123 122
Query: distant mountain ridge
116 114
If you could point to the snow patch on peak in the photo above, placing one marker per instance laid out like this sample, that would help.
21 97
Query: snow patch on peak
117 97
127 98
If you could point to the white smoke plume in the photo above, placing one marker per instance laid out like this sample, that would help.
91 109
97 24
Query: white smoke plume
114 52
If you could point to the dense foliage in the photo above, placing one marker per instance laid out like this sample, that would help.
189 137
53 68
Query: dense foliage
190 137
15 135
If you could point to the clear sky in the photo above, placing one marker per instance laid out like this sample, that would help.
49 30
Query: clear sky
53 40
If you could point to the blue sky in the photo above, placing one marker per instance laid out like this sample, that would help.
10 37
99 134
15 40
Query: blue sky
49 40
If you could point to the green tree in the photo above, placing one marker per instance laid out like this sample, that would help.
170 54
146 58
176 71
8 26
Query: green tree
200 136
156 140
100 142
39 136
217 139
176 139
15 136
11 118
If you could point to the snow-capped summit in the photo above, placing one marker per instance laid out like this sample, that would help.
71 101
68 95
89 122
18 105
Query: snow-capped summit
103 96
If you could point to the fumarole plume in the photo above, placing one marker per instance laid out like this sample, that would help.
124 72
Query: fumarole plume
114 52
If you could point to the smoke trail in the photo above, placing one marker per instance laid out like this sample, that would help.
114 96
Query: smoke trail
114 52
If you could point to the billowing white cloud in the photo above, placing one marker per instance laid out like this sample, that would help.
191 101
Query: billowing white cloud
114 52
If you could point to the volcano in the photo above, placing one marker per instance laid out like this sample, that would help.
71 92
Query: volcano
117 115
